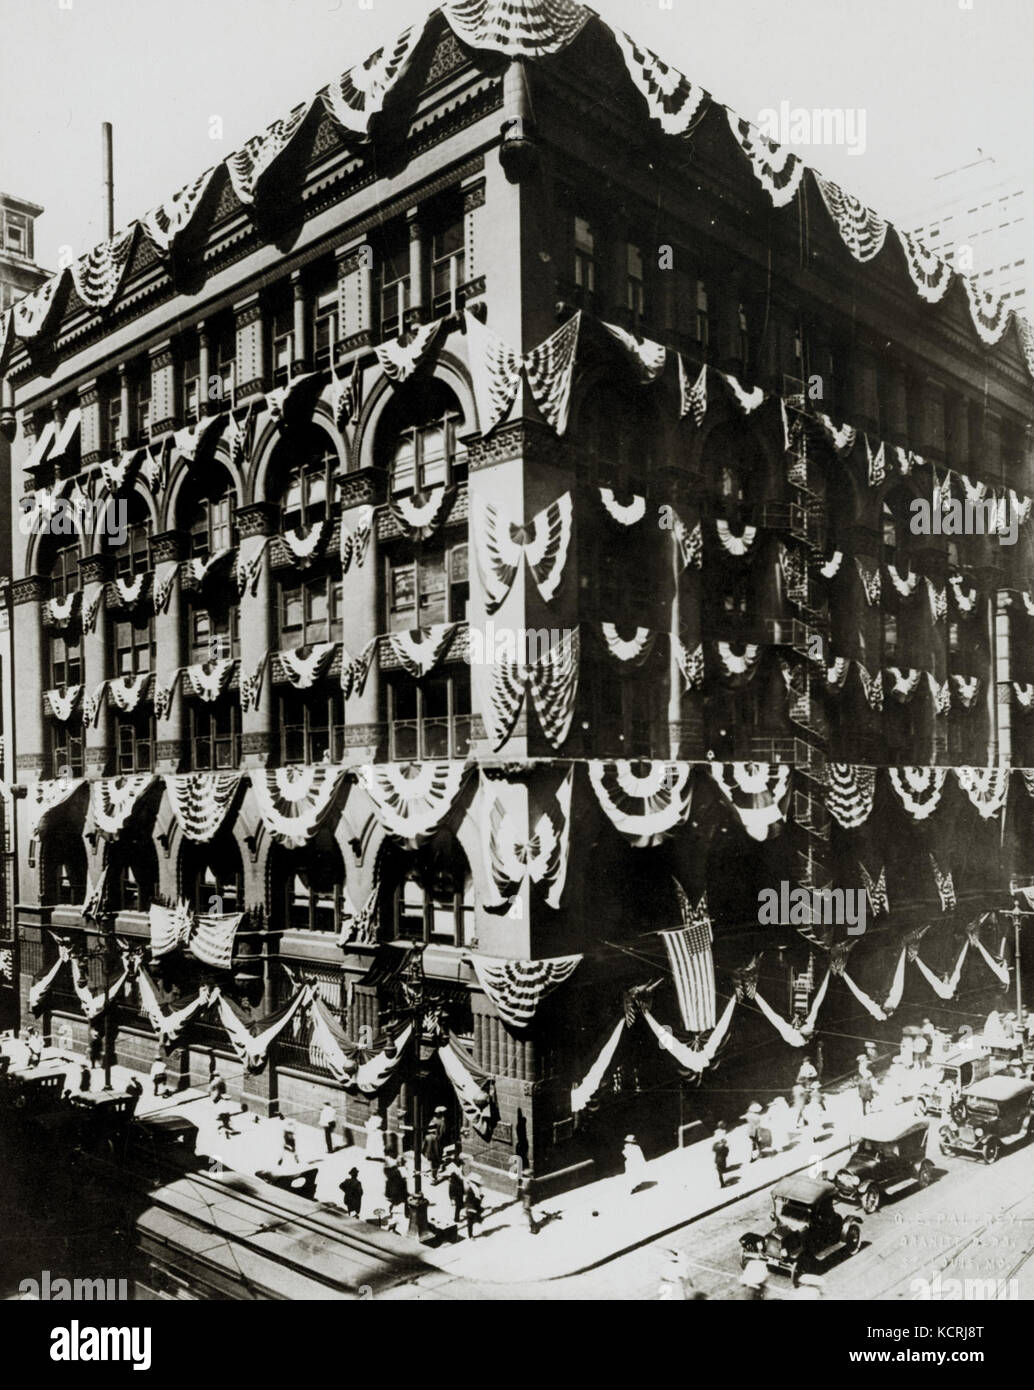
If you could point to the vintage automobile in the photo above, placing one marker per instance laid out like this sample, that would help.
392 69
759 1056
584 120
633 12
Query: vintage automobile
991 1113
957 1071
806 1232
890 1155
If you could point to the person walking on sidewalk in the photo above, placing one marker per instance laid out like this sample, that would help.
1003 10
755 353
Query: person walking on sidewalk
396 1194
720 1150
352 1192
524 1191
434 1140
635 1162
328 1123
223 1117
457 1181
808 1077
866 1084
35 1045
473 1205
290 1137
755 1133
159 1075
216 1088
799 1105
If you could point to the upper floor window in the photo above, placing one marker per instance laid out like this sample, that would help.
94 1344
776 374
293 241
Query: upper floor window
66 650
132 557
393 277
703 325
584 255
308 884
132 873
113 427
66 751
282 332
190 407
211 876
324 324
302 480
432 589
134 741
429 718
207 512
133 644
223 363
310 611
635 283
63 856
140 406
448 257
213 630
312 726
215 736
17 233
64 570
427 451
434 900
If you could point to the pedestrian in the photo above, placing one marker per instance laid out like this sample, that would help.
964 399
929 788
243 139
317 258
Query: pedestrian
753 1117
396 1193
212 1067
808 1077
525 1185
352 1191
216 1088
434 1141
778 1124
866 1086
799 1105
96 1048
226 1129
473 1205
752 1283
159 1075
134 1087
35 1045
374 1139
328 1123
457 1183
635 1162
290 1137
921 1050
720 1150
84 1076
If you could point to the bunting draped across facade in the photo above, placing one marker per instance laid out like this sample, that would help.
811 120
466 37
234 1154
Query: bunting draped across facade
516 988
644 807
411 800
293 802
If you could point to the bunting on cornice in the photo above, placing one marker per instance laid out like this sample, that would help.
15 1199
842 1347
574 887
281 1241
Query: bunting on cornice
401 357
500 544
990 314
863 232
361 921
903 684
735 545
625 514
986 787
166 223
422 514
61 703
648 358
280 397
303 672
97 276
496 370
518 851
931 276
412 800
870 583
207 680
44 797
872 685
876 890
359 94
755 791
876 462
630 651
692 398
516 988
738 663
474 1087
849 794
644 807
355 539
748 401
293 802
945 887
114 799
249 165
31 314
201 568
841 438
129 592
201 802
918 788
905 585
674 102
126 692
583 1093
419 650
305 548
516 28
967 688
187 441
355 670
690 663
778 170
163 695
95 1005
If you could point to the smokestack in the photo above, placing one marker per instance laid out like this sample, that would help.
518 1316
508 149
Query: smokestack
109 181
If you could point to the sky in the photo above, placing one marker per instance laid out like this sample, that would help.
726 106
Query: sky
940 82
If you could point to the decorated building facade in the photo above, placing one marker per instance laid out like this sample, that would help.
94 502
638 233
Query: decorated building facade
465 557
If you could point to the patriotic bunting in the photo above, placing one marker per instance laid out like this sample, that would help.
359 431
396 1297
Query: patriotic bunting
967 688
549 369
755 791
97 276
738 663
631 651
209 679
249 165
876 890
163 695
165 572
354 98
293 802
126 692
209 938
938 601
60 703
346 396
169 1024
31 313
940 694
904 585
419 650
44 797
849 794
748 401
1024 695
870 583
251 1040
989 314
305 548
945 887
518 852
690 663
354 671
831 567
776 168
872 685
903 684
94 1005
693 398
355 539
673 101
303 672
692 964
496 369
113 800
693 1059
998 968
918 788
62 610
166 223
986 787
475 1089
841 438
201 568
931 276
516 988
413 799
862 231
499 545
877 463
401 357
516 28
583 1093
690 543
624 514
644 807
423 514
43 982
907 460
188 441
201 801
837 674
648 358
249 563
736 545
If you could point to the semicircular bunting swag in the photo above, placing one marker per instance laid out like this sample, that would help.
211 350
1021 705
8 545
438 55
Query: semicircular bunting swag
778 170
201 801
755 791
412 799
256 157
518 28
499 546
625 514
113 800
516 988
516 850
629 651
166 223
986 787
293 802
849 794
863 231
354 98
918 788
422 518
931 276
644 806
675 103
97 276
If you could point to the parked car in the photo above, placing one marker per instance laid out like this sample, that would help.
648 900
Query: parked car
890 1155
958 1070
807 1229
991 1113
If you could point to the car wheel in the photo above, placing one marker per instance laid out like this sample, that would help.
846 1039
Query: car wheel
853 1237
991 1151
925 1174
745 1259
920 1106
795 1274
871 1199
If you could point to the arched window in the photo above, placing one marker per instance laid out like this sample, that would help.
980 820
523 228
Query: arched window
302 479
307 885
131 646
132 872
211 876
66 647
419 438
63 861
207 512
434 897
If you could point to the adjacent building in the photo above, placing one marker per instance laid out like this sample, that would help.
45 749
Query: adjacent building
494 545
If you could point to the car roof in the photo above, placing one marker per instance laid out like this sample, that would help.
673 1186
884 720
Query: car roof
958 1059
807 1191
892 1126
999 1088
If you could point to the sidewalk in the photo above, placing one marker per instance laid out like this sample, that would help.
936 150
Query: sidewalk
576 1231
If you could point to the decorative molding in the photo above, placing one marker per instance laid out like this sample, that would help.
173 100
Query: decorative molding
172 750
474 197
96 569
367 486
168 545
29 762
365 735
521 439
255 387
32 589
258 519
247 313
257 741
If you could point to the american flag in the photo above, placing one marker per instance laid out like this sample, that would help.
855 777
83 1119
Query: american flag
692 965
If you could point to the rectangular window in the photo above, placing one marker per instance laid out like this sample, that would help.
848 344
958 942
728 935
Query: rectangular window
394 278
312 726
324 327
114 421
584 256
16 234
448 263
134 742
310 613
283 342
66 662
134 646
214 735
190 408
66 751
141 398
214 634
635 292
429 718
432 590
224 359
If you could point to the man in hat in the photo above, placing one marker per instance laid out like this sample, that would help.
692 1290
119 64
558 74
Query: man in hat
352 1191
754 1113
473 1204
395 1190
635 1162
720 1149
457 1181
434 1140
328 1123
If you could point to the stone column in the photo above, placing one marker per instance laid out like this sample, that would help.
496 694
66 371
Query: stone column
419 305
171 648
355 295
91 430
365 735
124 430
27 674
163 389
258 620
97 569
204 361
301 362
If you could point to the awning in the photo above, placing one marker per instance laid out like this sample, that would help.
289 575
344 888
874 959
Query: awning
42 446
67 434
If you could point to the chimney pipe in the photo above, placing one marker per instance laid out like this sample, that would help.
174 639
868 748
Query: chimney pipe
109 181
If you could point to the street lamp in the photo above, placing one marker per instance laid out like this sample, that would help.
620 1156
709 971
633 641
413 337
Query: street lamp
412 1003
103 954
